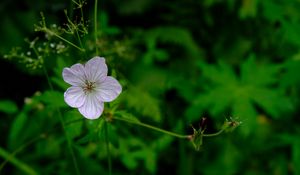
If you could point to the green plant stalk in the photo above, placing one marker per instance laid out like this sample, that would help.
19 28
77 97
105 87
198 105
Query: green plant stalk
153 128
214 134
82 17
11 155
95 25
107 149
77 34
76 28
165 131
65 40
63 126
80 4
28 143
22 166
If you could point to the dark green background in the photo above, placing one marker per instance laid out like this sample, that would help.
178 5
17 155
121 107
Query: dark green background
178 61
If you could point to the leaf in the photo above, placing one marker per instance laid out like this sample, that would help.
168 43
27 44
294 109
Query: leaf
273 102
291 32
17 163
168 34
149 159
259 75
257 85
243 109
164 141
105 27
227 161
272 10
220 74
8 107
90 137
126 115
53 98
248 8
291 75
129 161
73 129
143 103
296 156
50 147
16 129
127 156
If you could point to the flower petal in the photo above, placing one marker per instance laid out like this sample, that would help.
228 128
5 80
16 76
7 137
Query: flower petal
108 90
74 75
92 108
96 69
74 96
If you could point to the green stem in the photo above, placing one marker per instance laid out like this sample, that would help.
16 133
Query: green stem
40 136
80 43
95 25
22 166
213 134
69 142
152 127
82 17
65 40
107 149
11 155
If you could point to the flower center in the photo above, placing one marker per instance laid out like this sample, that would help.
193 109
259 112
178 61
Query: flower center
89 87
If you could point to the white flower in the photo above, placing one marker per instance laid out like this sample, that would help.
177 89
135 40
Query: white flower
91 87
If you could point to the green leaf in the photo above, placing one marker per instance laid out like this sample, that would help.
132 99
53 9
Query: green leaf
149 158
16 129
220 74
17 163
296 156
291 32
50 147
248 9
227 161
143 103
272 10
126 115
168 34
53 98
90 137
8 107
257 85
291 76
105 27
256 74
243 109
274 102
74 129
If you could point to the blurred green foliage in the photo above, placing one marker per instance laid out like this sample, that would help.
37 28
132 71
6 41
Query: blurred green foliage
178 61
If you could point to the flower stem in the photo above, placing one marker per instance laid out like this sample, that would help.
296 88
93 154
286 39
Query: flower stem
153 128
44 28
79 39
107 149
69 142
30 142
213 134
95 25
65 40
22 166
10 156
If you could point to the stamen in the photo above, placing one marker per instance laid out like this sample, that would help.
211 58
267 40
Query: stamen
89 87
